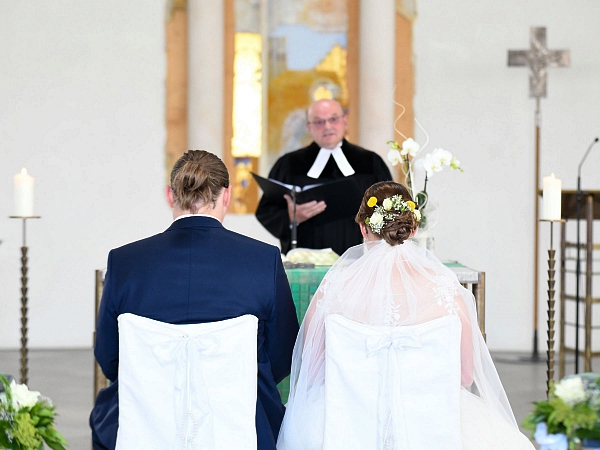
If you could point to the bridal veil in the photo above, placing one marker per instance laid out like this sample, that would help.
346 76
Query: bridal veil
378 284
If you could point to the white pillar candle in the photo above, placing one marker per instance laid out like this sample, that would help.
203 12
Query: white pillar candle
23 194
551 198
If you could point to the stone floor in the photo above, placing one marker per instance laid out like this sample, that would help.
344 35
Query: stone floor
66 376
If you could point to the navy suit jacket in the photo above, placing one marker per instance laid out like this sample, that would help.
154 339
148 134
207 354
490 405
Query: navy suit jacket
195 272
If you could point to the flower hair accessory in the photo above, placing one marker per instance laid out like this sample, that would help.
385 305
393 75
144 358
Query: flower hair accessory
389 209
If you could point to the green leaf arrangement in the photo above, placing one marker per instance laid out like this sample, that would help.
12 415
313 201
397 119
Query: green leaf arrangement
571 409
27 427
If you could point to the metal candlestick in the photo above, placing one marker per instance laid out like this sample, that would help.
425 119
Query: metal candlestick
551 310
24 259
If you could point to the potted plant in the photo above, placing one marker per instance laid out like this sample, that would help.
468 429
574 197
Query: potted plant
568 419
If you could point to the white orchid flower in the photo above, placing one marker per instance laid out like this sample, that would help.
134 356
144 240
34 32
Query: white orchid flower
410 147
394 157
431 164
455 164
443 156
22 397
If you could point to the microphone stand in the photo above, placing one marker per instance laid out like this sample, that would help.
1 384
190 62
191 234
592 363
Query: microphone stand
579 198
294 222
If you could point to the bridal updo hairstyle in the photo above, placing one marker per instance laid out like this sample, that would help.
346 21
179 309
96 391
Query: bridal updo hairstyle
198 178
396 231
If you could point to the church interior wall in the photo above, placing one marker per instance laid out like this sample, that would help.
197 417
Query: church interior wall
83 109
472 104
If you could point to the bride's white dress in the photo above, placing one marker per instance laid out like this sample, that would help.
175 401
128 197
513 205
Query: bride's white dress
379 285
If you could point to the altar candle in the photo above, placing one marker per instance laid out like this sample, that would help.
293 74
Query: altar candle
23 194
551 198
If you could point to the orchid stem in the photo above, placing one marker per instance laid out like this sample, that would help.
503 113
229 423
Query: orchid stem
408 176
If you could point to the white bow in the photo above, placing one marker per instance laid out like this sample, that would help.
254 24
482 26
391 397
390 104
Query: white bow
187 351
390 411
396 340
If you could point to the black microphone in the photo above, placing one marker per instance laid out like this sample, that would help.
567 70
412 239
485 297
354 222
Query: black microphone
585 156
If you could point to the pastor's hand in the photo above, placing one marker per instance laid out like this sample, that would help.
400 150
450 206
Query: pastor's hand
304 211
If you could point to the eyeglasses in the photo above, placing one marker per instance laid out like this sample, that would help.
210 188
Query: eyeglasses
319 123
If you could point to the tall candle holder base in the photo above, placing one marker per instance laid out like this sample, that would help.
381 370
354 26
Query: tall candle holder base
24 259
551 310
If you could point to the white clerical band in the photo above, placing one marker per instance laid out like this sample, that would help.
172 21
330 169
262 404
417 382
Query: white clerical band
322 158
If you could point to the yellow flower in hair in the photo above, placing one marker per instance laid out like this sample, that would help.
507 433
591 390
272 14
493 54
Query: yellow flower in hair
372 202
411 205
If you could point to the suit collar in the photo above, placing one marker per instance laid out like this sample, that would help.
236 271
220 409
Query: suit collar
195 222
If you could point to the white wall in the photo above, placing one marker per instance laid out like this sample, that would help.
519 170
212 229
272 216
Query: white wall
82 95
472 104
82 107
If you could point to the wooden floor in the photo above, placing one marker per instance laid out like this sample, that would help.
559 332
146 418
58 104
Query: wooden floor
66 376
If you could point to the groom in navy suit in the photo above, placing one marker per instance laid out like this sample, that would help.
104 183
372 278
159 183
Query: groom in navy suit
195 272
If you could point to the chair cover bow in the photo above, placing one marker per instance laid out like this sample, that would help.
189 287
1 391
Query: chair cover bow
186 352
391 404
396 339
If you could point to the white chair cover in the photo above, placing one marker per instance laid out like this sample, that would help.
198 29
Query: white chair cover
187 386
392 387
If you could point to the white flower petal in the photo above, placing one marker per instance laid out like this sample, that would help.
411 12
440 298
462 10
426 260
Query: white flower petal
571 391
443 156
376 218
23 397
410 147
394 157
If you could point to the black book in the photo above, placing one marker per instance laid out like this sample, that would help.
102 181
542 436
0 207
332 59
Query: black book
340 196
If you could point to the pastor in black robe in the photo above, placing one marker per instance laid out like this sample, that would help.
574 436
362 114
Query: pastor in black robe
340 233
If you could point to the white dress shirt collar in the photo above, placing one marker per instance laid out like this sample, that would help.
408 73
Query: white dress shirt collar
183 216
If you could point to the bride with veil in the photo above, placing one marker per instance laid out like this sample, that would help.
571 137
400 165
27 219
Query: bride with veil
391 281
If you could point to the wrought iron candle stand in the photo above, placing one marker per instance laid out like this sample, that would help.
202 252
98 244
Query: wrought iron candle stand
551 310
24 350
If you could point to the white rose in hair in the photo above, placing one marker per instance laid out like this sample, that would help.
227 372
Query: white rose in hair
376 219
387 204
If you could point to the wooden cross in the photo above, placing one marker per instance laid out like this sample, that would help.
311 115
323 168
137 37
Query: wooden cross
538 58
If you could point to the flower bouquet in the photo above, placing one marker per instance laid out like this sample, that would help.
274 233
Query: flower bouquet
432 162
27 419
571 410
